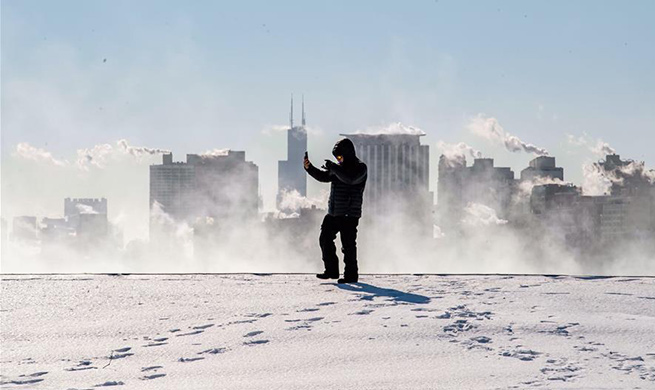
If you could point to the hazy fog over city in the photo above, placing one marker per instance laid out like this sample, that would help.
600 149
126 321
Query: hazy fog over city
94 93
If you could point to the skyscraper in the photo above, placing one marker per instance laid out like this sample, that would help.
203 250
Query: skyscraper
291 174
398 177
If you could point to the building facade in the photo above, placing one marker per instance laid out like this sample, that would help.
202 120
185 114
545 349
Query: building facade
481 183
543 167
78 209
219 187
398 176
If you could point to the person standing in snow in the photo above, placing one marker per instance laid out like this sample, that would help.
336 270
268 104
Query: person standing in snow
348 179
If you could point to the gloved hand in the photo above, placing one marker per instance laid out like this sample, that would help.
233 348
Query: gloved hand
329 165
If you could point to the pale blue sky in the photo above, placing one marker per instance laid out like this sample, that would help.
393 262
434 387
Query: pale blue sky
192 76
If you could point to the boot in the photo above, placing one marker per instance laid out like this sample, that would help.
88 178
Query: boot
328 275
348 279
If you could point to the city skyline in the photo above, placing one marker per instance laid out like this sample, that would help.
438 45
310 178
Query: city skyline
527 172
76 76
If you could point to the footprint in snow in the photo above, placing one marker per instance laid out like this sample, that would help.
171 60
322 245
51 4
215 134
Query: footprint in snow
561 330
298 327
21 381
585 348
121 350
258 315
255 342
631 365
154 344
326 304
255 333
36 374
362 312
525 355
213 351
145 369
81 366
457 327
307 310
242 322
189 333
192 359
115 356
305 320
110 383
560 370
203 326
153 376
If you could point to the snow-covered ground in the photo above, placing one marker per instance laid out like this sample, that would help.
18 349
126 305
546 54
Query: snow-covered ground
247 331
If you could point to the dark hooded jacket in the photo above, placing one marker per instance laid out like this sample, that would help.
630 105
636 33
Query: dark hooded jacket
347 179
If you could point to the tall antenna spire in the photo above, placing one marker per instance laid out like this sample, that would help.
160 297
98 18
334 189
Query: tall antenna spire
303 110
291 114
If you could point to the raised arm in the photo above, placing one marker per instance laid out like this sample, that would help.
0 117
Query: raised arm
318 174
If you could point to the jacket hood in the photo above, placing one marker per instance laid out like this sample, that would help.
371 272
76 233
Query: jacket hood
346 149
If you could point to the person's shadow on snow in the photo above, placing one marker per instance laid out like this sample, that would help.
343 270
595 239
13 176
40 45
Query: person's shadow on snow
395 295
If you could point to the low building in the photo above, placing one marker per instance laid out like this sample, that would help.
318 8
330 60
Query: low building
223 187
481 183
542 167
75 208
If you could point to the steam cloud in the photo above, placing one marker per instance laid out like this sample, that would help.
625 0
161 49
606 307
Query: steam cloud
638 168
215 153
29 152
85 209
479 215
598 181
292 201
97 156
598 148
139 151
392 128
183 233
525 186
273 129
490 129
455 154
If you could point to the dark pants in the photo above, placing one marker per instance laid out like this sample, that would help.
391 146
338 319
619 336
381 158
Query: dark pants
347 227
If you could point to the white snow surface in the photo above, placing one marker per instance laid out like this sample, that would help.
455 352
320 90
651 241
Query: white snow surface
283 331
